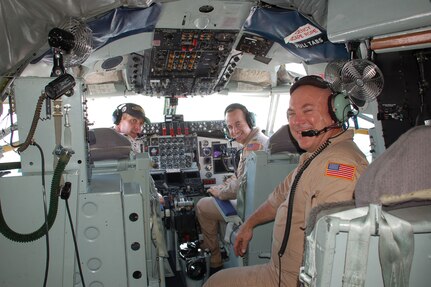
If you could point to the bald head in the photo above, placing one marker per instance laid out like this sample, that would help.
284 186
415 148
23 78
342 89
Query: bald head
308 110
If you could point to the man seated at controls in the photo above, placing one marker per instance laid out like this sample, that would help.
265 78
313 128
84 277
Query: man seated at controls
327 172
240 125
129 119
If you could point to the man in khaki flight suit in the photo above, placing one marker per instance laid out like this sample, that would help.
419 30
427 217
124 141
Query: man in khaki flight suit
327 172
240 124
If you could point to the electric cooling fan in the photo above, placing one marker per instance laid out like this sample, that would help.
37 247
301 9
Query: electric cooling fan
71 43
82 47
333 74
362 81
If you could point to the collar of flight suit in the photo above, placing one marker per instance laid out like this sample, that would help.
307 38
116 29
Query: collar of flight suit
346 135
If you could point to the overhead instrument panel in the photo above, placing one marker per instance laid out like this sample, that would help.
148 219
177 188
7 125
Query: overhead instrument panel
254 44
187 62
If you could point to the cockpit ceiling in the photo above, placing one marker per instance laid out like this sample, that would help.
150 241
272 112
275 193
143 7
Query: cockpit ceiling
159 59
316 10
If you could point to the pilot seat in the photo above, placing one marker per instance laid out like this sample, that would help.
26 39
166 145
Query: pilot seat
263 172
382 238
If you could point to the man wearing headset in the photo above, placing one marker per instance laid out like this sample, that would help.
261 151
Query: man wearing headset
327 172
240 125
128 120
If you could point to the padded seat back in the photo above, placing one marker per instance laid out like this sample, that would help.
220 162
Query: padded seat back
283 141
107 144
402 170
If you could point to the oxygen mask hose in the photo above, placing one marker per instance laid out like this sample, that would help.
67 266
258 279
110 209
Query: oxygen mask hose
64 158
28 140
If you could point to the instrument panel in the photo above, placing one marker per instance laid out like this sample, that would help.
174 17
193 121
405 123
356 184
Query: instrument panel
168 152
187 62
187 157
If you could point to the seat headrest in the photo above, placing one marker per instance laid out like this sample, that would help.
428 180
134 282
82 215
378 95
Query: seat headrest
107 144
403 168
282 140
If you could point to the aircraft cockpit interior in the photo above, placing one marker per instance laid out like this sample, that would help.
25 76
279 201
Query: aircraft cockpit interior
83 204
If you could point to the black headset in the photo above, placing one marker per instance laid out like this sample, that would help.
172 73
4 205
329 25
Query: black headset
117 114
339 105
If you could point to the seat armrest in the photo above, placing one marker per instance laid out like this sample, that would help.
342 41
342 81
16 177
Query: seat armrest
227 210
226 207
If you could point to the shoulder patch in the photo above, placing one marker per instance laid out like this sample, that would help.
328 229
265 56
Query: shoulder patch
340 170
253 146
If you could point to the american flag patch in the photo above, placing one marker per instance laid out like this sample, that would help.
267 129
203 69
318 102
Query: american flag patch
253 146
340 170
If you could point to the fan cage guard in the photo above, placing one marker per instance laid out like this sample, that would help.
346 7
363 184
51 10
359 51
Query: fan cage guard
333 74
83 42
362 79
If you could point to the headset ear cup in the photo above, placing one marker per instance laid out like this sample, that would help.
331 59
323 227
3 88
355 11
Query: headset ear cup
116 115
251 119
331 108
339 107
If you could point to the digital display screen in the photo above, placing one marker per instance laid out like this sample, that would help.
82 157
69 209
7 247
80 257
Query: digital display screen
158 176
192 174
174 178
219 150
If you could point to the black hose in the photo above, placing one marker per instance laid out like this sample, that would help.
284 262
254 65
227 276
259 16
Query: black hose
290 204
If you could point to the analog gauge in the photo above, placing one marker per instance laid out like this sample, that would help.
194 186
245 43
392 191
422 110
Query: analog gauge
154 141
206 151
154 151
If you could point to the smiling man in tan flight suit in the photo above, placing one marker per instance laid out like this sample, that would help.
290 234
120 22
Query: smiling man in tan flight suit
240 124
327 172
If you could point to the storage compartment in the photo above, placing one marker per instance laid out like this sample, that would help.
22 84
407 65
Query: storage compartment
353 20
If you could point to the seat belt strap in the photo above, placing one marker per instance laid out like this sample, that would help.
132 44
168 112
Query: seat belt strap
396 248
58 115
361 228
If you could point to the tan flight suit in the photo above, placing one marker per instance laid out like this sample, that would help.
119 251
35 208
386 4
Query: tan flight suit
317 185
206 211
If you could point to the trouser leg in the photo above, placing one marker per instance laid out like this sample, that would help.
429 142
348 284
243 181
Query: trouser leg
209 217
249 276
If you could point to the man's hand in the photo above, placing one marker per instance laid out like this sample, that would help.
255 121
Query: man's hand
214 191
244 235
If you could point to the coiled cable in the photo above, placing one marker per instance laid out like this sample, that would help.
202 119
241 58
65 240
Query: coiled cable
53 205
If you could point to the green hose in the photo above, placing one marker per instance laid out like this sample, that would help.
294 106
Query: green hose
36 116
53 206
